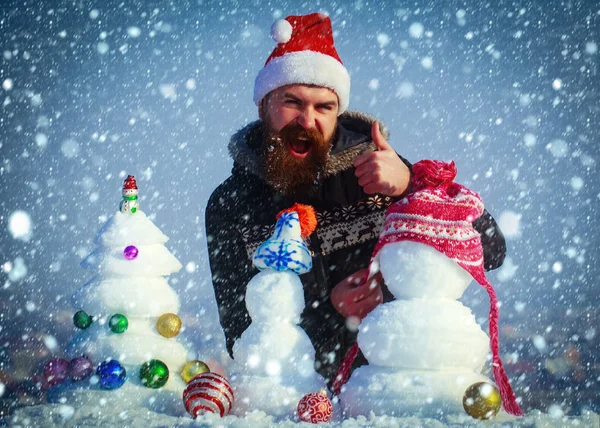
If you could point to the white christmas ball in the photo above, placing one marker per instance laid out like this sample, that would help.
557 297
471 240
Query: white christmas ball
281 31
415 270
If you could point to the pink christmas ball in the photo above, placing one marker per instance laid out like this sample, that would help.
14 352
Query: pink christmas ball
314 408
131 252
56 371
80 368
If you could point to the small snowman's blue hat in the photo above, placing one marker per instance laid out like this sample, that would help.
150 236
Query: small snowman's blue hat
286 250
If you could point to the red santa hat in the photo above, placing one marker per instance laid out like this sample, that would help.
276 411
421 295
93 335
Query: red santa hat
305 54
440 213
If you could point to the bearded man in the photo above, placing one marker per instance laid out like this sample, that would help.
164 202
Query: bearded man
308 148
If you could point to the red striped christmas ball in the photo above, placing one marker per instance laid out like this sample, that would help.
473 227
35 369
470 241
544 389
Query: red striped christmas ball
208 392
315 407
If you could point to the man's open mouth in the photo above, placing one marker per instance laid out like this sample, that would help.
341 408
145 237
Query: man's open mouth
299 148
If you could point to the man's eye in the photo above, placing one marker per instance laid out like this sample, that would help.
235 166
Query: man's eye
294 102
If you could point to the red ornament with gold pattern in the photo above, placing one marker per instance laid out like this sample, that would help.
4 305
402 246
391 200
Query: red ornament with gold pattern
315 407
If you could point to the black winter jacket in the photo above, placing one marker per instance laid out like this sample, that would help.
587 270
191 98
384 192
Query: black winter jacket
241 215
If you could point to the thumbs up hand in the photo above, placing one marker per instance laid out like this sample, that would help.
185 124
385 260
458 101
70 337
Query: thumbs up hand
381 171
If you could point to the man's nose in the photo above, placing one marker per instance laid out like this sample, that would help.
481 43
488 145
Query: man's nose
306 118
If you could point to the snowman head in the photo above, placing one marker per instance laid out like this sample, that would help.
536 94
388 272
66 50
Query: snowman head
275 296
415 270
129 192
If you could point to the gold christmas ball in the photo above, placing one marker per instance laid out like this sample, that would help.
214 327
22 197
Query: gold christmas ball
192 369
482 400
168 325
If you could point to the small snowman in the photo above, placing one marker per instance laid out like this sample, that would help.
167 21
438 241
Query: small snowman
425 349
129 204
274 358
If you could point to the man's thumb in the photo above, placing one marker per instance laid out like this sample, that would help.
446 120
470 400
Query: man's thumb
378 138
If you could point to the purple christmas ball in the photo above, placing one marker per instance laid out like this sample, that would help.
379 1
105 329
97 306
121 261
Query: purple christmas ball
56 371
80 368
130 252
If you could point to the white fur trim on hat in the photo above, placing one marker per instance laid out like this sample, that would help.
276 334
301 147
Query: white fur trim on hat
304 67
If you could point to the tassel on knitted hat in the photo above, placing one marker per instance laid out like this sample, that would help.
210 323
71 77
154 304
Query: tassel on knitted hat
440 214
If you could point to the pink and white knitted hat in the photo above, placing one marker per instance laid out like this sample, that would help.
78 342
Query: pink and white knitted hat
440 213
304 54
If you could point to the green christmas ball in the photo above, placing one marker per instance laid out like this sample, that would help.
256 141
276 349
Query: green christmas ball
118 323
82 320
154 374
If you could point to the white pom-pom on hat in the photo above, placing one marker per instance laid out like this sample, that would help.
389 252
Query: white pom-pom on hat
281 31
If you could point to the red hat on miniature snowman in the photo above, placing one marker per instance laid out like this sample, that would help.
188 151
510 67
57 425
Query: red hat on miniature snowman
130 183
305 54
130 186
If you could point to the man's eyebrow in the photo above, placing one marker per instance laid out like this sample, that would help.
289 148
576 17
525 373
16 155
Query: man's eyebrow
331 103
290 95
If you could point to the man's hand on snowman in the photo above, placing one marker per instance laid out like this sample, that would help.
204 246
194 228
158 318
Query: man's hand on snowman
381 171
353 297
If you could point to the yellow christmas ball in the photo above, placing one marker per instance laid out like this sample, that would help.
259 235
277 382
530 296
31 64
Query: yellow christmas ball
482 400
168 325
192 369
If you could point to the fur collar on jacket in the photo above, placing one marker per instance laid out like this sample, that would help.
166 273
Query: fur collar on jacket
357 139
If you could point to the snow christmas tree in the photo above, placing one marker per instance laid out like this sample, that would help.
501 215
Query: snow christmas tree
127 314
274 358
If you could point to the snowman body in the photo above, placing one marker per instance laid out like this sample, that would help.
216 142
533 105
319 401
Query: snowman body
129 204
425 348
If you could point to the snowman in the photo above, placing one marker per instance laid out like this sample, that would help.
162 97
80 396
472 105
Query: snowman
129 204
425 349
274 358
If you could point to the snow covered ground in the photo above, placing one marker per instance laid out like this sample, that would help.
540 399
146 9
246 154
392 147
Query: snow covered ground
64 415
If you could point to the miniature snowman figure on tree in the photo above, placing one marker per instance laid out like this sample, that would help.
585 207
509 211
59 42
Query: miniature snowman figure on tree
129 204
274 358
425 349
128 316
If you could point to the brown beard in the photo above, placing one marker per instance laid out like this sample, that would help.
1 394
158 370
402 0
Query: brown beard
285 172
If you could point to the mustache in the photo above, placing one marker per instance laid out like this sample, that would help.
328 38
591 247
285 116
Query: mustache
294 132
